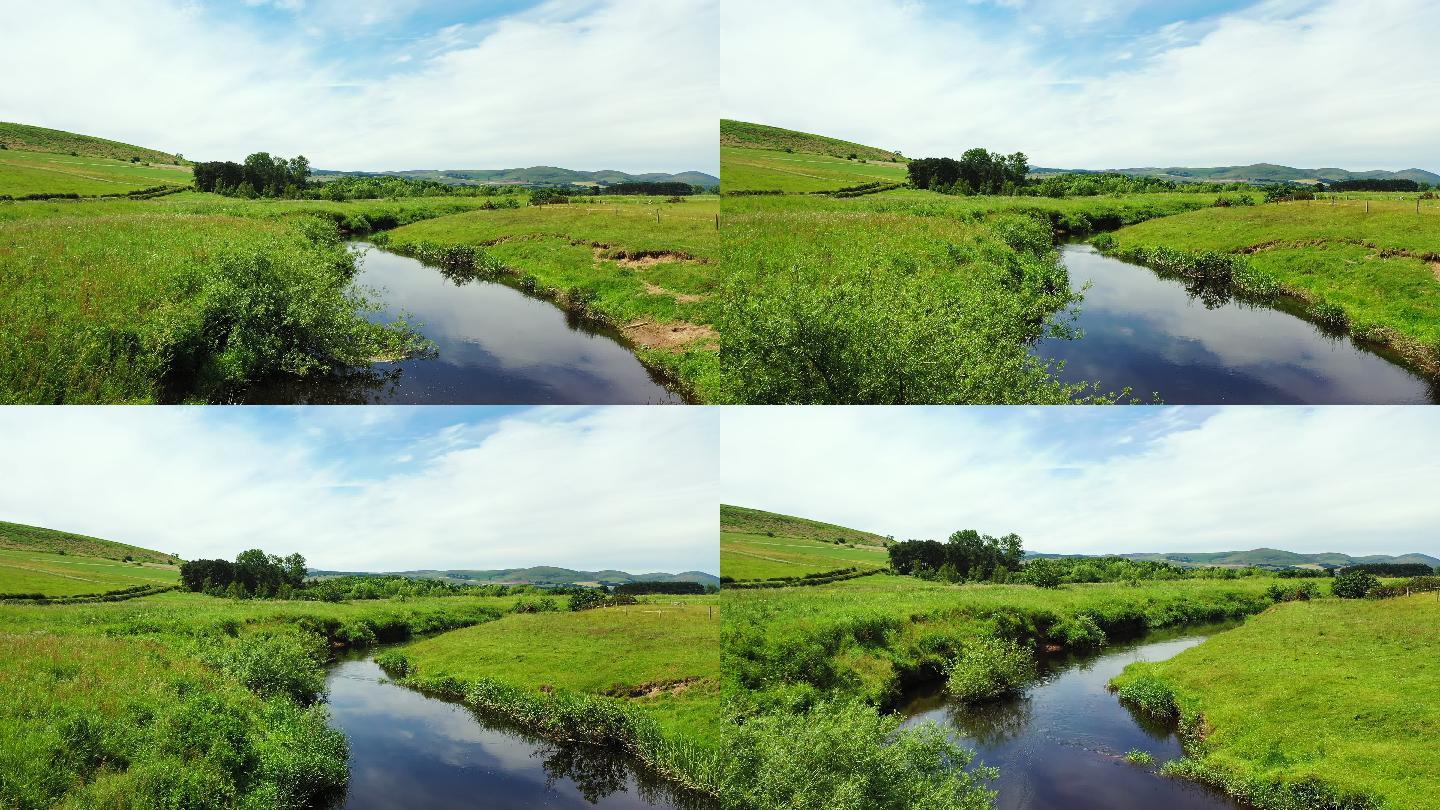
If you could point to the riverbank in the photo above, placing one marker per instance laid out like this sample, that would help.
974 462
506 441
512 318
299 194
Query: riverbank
1361 267
1310 704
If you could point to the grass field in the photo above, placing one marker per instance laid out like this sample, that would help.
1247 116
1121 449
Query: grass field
1338 691
184 298
646 266
25 173
30 572
745 556
660 656
184 700
58 142
760 136
35 538
1380 268
748 169
758 521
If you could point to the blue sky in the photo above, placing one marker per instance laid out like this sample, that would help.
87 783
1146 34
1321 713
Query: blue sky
1099 479
1097 83
379 84
377 488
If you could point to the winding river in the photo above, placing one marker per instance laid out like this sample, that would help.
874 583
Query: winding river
1155 335
495 345
417 752
1062 744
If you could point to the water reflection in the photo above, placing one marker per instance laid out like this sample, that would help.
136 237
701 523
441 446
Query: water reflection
1062 744
413 751
1192 343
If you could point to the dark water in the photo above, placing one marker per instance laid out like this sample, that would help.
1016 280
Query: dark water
412 751
495 344
1062 744
1156 335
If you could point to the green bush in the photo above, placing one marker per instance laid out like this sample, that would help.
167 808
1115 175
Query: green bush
989 668
1353 584
1080 632
1151 695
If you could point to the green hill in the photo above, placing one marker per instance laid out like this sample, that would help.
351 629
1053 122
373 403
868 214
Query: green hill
532 176
756 521
51 541
1266 173
759 136
29 138
1270 558
545 575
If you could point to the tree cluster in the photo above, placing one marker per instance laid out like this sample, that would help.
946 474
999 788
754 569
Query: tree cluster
639 588
652 189
253 573
1392 569
1391 184
259 176
978 171
967 555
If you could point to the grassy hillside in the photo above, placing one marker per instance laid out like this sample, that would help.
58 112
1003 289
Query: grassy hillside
39 139
1277 558
535 175
30 574
27 174
750 169
540 575
757 521
759 136
1272 173
20 537
1328 691
749 556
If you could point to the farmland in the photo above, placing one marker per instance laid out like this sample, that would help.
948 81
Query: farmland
24 174
1366 263
1309 698
758 545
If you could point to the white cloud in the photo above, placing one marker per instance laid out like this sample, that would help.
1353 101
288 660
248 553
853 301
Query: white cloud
1356 480
629 488
1316 83
627 84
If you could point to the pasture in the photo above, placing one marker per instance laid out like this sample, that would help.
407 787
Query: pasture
1371 264
54 575
746 556
24 173
1332 692
646 266
745 169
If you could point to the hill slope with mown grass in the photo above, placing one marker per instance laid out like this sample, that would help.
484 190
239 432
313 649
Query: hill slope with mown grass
761 136
21 537
26 137
758 521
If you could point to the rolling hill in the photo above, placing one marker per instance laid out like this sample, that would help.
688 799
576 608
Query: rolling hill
29 138
1269 558
757 545
745 135
543 575
532 176
742 519
21 537
50 564
37 162
1261 173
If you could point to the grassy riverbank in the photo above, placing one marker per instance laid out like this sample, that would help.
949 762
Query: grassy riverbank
1367 266
643 265
185 700
644 677
1311 704
186 298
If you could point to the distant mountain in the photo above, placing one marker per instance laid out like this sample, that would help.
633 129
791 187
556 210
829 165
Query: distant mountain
52 541
746 135
757 521
532 176
1258 173
545 575
1267 558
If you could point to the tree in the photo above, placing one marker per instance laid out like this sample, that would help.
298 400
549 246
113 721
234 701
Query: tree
1353 584
1042 573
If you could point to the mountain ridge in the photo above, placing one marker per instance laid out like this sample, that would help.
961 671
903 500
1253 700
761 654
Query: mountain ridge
546 575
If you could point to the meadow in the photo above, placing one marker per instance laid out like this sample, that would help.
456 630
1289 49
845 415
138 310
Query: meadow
1310 704
768 170
23 174
1367 264
764 556
37 575
644 265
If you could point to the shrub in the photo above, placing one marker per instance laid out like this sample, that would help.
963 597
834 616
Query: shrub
989 668
1353 584
1137 757
1150 695
395 664
587 599
1080 632
286 664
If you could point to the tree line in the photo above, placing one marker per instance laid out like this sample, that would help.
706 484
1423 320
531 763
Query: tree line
966 556
253 573
978 171
1391 184
261 175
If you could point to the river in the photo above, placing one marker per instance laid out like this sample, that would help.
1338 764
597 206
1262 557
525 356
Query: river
1155 335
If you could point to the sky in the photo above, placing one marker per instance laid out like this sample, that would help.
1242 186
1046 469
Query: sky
377 488
1097 84
1090 480
377 84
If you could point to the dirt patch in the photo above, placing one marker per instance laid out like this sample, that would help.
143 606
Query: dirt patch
1435 269
651 689
684 298
641 258
652 335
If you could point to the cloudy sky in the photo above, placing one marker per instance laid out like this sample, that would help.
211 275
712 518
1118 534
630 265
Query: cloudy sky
1097 480
376 84
376 488
1097 83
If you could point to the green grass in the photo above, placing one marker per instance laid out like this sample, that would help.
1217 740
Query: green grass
26 173
662 657
51 541
651 278
759 136
184 700
1381 268
758 521
184 298
747 556
32 572
748 169
40 139
1338 691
